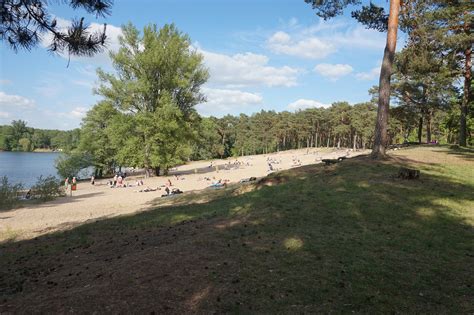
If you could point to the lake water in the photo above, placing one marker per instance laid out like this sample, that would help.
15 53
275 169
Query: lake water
26 167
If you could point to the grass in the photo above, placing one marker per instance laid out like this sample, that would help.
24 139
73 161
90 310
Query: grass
344 238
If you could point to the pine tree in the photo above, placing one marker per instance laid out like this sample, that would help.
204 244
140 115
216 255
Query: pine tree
24 22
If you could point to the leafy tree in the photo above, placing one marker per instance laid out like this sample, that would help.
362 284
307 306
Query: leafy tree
208 143
24 22
95 137
70 164
156 86
24 144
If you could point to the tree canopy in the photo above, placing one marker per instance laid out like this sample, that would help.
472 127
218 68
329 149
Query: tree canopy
155 88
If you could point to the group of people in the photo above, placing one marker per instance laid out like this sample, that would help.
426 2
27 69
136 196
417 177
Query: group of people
70 185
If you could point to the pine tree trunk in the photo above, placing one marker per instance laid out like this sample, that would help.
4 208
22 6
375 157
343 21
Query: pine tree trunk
380 141
146 159
355 142
420 128
428 126
466 90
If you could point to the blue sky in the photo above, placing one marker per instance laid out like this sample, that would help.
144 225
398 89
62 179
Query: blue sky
262 54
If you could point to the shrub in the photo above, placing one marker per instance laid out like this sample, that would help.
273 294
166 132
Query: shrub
9 193
47 188
70 164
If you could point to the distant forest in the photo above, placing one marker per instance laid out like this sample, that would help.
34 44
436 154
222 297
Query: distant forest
19 137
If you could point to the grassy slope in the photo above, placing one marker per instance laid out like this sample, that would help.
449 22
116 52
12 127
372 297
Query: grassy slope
343 238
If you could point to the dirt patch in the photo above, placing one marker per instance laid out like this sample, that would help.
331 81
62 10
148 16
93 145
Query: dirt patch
272 180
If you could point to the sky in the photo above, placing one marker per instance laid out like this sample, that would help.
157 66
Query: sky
261 54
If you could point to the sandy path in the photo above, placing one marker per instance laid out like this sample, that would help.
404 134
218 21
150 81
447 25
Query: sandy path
100 201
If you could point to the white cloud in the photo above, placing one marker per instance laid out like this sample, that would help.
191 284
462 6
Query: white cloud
85 83
305 104
224 101
309 47
248 69
79 112
333 71
15 101
359 37
322 39
371 75
4 115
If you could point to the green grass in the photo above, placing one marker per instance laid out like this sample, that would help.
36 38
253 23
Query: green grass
344 238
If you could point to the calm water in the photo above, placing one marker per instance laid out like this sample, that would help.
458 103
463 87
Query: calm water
26 167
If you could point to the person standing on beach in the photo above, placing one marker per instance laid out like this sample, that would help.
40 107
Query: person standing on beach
74 184
92 180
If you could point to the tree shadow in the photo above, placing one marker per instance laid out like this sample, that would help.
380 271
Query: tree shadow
347 237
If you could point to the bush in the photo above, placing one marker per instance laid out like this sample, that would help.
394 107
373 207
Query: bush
9 193
70 164
47 188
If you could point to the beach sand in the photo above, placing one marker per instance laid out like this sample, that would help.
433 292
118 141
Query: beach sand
94 202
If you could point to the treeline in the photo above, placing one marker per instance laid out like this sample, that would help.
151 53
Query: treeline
19 137
340 125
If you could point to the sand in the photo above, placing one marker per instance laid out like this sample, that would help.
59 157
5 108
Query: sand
93 202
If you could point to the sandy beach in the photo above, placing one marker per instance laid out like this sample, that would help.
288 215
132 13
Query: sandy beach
93 202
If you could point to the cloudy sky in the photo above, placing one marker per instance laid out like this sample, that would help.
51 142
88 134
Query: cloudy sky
261 54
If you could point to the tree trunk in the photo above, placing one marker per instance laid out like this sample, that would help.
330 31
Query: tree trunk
157 171
355 142
428 126
420 128
466 90
146 161
380 141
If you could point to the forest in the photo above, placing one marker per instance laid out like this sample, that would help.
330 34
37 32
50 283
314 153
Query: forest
19 137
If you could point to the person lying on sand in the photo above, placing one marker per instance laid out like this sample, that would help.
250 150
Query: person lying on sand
148 189
174 191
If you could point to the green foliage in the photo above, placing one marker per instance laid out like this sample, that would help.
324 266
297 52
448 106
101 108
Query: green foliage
70 164
47 188
24 144
208 142
269 131
8 193
19 137
154 91
96 137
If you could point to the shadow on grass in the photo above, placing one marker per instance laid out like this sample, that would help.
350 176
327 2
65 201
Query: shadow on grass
348 237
